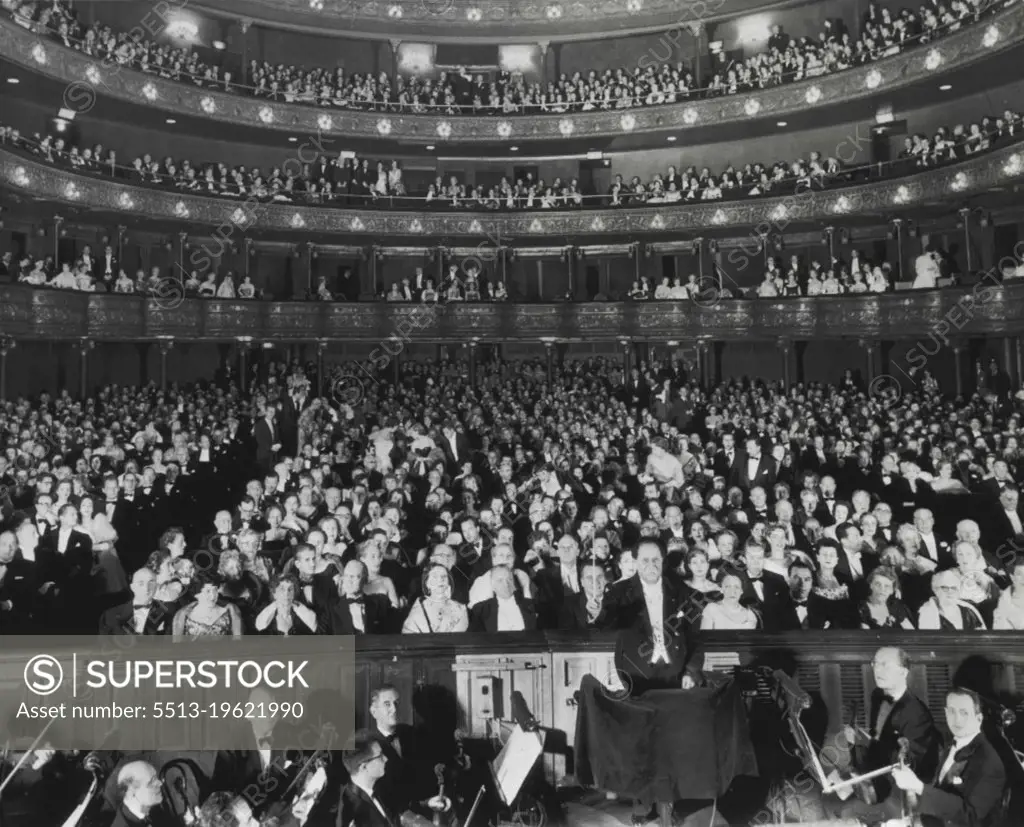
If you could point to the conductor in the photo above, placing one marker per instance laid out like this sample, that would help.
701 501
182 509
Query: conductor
656 646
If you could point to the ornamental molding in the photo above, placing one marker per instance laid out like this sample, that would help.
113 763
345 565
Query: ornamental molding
975 176
504 21
88 78
52 315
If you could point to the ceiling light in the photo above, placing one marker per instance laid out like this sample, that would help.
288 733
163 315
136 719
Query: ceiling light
182 29
13 80
782 123
672 139
170 121
293 140
514 148
430 147
945 87
219 45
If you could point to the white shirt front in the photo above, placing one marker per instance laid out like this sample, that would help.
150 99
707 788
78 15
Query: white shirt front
958 744
856 566
357 611
570 580
655 599
373 798
510 619
139 618
1014 521
931 546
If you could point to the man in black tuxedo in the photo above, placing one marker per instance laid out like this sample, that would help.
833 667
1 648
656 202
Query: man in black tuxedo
895 714
753 467
561 601
507 610
854 566
17 588
142 615
656 647
991 487
268 440
140 795
764 591
408 781
968 787
455 446
1007 521
105 268
344 609
933 546
359 806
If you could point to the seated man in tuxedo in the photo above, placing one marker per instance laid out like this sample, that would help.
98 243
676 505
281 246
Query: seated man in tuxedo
142 615
968 786
360 805
507 610
140 794
345 609
895 714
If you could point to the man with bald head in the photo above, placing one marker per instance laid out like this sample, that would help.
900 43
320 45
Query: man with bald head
140 795
507 610
348 610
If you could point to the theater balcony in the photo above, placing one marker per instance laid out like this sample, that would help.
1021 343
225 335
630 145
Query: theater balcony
968 58
992 175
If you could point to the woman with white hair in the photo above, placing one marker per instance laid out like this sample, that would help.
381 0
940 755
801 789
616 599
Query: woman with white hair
976 585
945 610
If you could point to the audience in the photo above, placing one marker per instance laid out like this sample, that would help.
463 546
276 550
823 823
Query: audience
394 519
884 32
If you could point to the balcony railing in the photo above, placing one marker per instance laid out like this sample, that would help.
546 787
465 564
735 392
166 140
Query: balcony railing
977 175
984 308
95 77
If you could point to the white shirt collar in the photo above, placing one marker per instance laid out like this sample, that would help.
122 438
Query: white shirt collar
960 743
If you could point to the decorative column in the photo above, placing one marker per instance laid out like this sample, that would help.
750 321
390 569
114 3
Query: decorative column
549 348
699 32
394 44
870 348
545 50
321 348
244 24
166 345
799 350
309 253
471 345
396 367
143 349
1009 364
244 343
627 366
58 223
958 350
896 234
785 346
122 231
179 258
84 346
965 223
1018 361
7 344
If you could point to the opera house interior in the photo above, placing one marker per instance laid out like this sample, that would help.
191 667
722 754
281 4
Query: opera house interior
662 357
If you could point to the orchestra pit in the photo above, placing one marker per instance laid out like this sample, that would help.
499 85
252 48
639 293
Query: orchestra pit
621 403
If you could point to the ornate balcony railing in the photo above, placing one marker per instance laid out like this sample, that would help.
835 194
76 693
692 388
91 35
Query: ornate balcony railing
974 176
985 308
88 77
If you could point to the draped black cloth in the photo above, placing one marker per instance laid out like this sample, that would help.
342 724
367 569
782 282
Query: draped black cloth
668 745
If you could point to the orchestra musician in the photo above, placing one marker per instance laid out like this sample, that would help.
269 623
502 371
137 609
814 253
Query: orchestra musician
407 782
895 714
967 787
140 796
359 805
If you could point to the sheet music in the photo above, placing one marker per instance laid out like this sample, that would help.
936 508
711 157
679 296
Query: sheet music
515 761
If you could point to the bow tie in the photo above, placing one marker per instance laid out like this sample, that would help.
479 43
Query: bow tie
137 606
361 599
830 499
754 579
889 699
111 502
